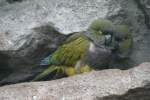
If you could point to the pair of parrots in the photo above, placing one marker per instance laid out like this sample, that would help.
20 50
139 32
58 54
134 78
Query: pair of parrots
88 50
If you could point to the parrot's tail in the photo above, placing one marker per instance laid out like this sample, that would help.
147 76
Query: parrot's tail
46 73
45 61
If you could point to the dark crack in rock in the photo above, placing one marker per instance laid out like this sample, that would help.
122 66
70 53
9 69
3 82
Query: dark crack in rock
140 93
13 1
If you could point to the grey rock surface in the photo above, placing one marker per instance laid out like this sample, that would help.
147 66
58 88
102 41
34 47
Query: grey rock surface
43 40
88 86
68 16
140 93
145 6
23 47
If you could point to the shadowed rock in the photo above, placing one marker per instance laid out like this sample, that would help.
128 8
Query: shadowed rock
42 41
141 93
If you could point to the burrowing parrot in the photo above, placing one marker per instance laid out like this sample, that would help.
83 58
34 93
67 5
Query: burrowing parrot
91 49
82 51
122 43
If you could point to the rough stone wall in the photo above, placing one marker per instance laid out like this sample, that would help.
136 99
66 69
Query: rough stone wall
25 47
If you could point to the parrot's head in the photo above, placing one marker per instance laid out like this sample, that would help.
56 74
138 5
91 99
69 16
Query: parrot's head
108 41
100 31
101 25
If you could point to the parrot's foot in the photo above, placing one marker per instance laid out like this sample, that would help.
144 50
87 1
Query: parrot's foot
70 71
85 69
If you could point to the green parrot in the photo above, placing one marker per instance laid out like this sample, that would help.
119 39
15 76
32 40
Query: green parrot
88 50
118 38
123 41
82 51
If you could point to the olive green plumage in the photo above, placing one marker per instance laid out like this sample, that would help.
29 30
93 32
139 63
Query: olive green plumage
99 30
66 57
101 24
71 51
69 58
124 40
120 42
74 56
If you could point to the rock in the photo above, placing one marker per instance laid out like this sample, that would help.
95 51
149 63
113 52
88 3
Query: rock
4 69
40 42
23 46
145 7
89 86
13 1
142 93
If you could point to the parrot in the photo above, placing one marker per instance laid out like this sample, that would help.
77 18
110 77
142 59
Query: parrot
81 52
93 49
122 42
117 38
102 31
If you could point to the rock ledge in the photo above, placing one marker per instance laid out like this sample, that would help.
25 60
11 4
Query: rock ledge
88 86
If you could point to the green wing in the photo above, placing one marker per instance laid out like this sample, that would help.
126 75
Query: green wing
66 56
70 52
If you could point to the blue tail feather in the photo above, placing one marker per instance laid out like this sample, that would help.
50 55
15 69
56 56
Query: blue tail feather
45 61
